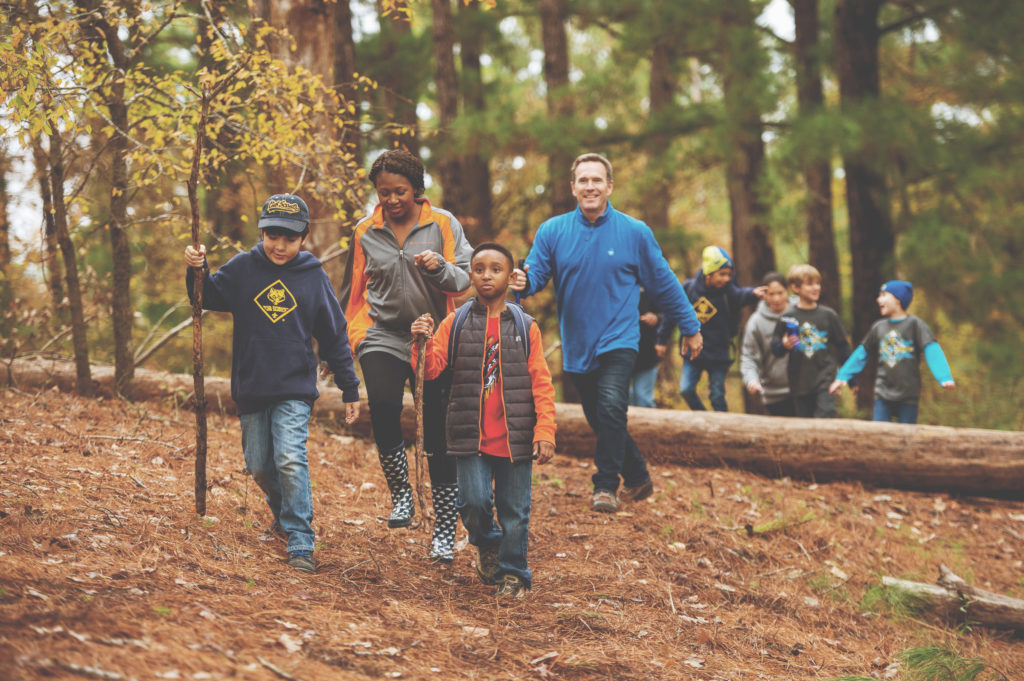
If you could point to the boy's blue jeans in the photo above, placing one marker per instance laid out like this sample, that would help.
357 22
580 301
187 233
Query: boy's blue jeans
641 391
487 483
604 393
274 445
716 385
885 410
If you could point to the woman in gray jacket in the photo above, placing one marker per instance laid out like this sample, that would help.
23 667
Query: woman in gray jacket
763 373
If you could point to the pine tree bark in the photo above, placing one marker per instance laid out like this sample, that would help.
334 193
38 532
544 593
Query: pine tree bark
400 92
560 106
476 173
661 92
867 195
817 172
446 80
5 221
53 266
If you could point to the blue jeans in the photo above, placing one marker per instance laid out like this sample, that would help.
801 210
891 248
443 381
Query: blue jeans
274 445
716 385
641 392
510 494
604 393
885 410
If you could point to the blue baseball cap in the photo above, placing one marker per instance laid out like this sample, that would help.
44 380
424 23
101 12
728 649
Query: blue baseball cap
287 211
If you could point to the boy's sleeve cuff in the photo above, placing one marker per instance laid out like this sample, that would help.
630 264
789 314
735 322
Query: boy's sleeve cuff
350 394
542 434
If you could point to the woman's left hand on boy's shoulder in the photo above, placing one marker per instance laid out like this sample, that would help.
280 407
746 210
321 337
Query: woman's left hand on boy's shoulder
543 451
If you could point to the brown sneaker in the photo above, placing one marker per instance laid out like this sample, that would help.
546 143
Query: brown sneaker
638 493
605 501
511 587
487 564
302 561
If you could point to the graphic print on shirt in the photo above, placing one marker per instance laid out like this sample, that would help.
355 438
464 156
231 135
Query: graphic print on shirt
893 347
276 301
490 365
812 339
704 309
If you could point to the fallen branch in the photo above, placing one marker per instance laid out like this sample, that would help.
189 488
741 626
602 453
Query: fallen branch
953 598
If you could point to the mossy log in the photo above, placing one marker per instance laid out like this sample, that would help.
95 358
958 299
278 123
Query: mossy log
954 599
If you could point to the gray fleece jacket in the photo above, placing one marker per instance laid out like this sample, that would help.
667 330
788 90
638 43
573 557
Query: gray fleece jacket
757 363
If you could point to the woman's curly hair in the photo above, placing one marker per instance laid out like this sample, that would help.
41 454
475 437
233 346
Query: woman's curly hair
399 162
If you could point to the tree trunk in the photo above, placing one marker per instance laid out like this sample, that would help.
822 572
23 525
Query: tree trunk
867 196
560 106
51 262
400 93
5 222
817 172
553 15
311 23
476 173
967 461
83 376
122 315
449 170
661 92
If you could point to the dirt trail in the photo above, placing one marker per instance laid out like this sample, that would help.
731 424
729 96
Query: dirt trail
106 572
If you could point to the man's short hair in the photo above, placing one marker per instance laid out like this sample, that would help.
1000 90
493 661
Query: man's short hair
801 274
492 246
399 162
588 157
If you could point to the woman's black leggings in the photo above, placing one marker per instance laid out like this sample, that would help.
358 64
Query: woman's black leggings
385 377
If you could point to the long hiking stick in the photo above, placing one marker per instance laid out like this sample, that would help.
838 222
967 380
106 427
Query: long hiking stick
421 342
197 316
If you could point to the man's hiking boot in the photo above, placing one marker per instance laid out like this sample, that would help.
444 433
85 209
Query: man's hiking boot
395 465
275 531
605 501
511 586
487 564
302 561
637 493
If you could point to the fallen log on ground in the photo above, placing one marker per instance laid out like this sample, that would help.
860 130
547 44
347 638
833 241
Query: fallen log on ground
954 599
965 461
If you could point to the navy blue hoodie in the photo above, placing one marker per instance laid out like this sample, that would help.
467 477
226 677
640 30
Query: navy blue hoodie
718 310
278 310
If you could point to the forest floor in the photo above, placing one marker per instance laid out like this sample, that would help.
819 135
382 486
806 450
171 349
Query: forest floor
106 572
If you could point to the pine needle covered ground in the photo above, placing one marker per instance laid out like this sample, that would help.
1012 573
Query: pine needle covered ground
106 572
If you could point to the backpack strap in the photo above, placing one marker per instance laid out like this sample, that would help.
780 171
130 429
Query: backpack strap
458 322
522 322
519 318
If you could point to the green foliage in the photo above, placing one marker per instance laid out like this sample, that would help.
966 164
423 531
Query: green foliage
897 602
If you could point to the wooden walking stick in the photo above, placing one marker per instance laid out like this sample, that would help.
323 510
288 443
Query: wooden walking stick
197 315
420 347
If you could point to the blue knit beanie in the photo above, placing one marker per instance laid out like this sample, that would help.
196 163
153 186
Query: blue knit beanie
902 290
714 258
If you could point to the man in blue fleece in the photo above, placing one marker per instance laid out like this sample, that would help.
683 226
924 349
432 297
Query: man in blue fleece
599 259
280 299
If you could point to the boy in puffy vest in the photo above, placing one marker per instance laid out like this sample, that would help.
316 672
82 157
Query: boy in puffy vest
499 418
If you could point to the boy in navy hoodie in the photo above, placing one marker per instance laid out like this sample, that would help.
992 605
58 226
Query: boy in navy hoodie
280 299
717 302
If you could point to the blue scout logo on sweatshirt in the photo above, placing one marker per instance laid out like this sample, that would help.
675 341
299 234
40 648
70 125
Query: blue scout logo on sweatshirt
894 347
276 301
704 309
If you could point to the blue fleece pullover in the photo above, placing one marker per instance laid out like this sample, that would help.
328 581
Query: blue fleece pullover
598 269
278 310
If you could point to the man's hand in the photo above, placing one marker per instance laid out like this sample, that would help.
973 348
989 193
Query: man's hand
755 388
543 451
691 346
351 412
424 324
518 280
649 318
427 260
193 257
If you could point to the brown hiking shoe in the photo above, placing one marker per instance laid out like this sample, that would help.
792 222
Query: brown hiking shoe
605 501
487 564
637 493
511 587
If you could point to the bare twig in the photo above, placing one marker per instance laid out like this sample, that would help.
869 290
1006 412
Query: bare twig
277 670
